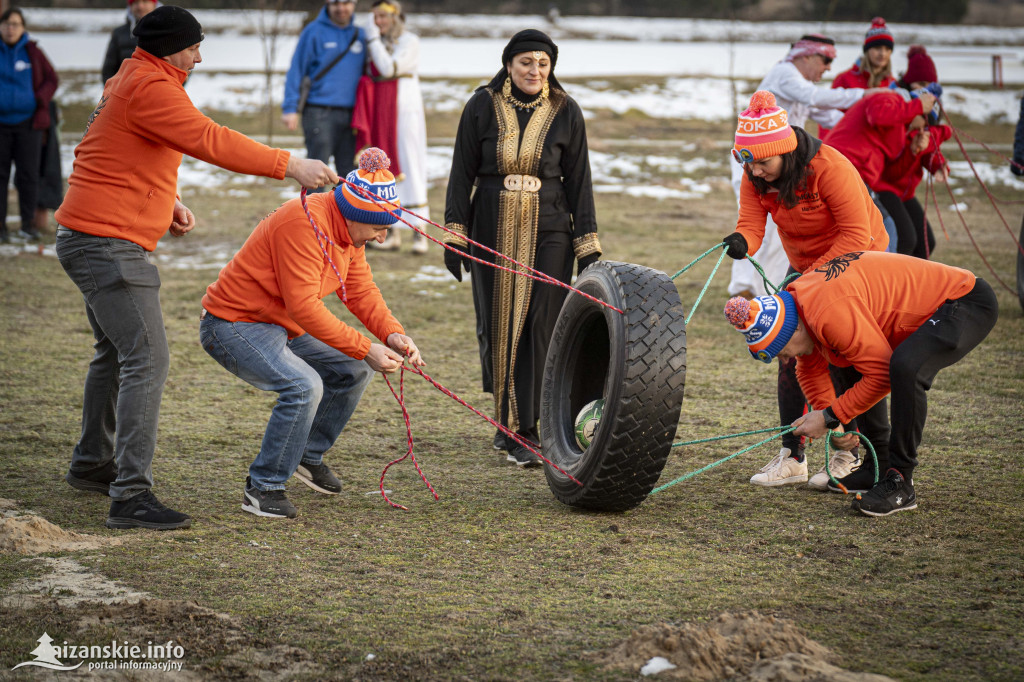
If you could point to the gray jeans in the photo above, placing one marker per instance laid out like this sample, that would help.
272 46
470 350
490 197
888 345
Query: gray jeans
125 381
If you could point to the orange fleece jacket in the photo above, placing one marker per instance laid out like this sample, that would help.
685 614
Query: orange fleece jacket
858 308
835 215
280 275
125 176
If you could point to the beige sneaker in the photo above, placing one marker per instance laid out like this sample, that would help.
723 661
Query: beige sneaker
419 243
782 470
842 462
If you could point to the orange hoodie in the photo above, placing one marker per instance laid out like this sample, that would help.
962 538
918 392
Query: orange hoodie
858 308
125 176
280 275
835 215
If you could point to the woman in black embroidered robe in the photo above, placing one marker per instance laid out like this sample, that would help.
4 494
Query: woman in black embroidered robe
522 144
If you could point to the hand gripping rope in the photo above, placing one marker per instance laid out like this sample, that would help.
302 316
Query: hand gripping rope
782 430
324 241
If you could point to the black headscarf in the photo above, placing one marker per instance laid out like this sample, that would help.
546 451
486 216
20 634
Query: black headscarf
529 40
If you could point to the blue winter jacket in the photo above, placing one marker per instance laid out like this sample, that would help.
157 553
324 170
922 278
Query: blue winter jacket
319 43
17 98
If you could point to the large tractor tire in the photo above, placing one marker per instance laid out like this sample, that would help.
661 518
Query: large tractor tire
637 362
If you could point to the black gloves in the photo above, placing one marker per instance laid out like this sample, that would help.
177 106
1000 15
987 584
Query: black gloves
737 244
585 262
1017 167
455 261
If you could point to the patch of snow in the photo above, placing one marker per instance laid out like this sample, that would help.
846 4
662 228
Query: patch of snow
656 665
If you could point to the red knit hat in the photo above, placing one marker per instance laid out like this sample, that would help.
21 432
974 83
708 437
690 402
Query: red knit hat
920 67
763 130
878 35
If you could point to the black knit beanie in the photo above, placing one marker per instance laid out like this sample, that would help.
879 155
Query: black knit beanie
166 30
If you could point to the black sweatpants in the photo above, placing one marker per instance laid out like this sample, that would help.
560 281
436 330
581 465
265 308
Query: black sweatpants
952 331
914 236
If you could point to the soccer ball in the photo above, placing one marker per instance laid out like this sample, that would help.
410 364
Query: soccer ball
587 422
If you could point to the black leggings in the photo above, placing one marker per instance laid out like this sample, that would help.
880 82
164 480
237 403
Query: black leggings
947 336
912 230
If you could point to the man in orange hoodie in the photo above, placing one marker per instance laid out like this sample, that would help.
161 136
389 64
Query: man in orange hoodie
121 199
264 321
896 320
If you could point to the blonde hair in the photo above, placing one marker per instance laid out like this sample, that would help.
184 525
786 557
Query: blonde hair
394 8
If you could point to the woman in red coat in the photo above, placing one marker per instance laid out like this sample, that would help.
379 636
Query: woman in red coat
874 68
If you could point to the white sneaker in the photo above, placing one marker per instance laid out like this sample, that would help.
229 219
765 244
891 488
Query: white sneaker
419 243
842 462
782 470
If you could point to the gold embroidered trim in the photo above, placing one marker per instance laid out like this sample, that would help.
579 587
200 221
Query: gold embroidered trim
518 211
586 245
459 236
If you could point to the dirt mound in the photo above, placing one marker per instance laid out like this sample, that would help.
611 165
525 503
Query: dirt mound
748 646
34 535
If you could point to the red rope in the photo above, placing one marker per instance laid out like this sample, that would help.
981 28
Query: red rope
527 271
984 187
400 397
990 151
323 240
971 236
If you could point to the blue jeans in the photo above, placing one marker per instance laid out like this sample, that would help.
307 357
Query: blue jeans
328 132
125 381
318 389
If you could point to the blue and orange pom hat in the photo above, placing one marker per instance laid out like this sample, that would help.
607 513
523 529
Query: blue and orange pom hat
767 322
374 177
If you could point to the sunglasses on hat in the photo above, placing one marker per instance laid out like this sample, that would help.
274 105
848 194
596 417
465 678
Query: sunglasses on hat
742 155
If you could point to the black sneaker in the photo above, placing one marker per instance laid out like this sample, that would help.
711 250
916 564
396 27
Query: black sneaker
500 441
270 503
319 478
892 494
522 457
145 511
95 480
860 480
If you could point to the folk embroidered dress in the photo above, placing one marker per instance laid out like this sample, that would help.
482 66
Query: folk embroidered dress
520 184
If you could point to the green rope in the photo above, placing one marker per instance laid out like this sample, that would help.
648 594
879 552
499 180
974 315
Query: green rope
783 432
720 245
731 435
702 291
863 439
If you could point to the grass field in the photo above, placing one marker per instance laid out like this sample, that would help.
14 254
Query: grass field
497 580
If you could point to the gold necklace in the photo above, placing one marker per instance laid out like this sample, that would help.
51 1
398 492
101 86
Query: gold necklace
506 91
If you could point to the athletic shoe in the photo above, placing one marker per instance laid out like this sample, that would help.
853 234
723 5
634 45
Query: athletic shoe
29 235
270 503
145 511
419 243
841 462
781 470
860 480
522 457
95 480
319 478
892 494
500 441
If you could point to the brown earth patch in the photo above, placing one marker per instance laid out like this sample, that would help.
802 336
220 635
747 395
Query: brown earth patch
745 646
30 534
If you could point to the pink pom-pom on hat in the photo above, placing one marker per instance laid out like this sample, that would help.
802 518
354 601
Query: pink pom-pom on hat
374 197
737 311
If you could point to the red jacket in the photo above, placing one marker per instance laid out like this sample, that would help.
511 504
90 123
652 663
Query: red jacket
280 276
834 216
858 308
44 84
854 77
873 133
125 178
904 175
